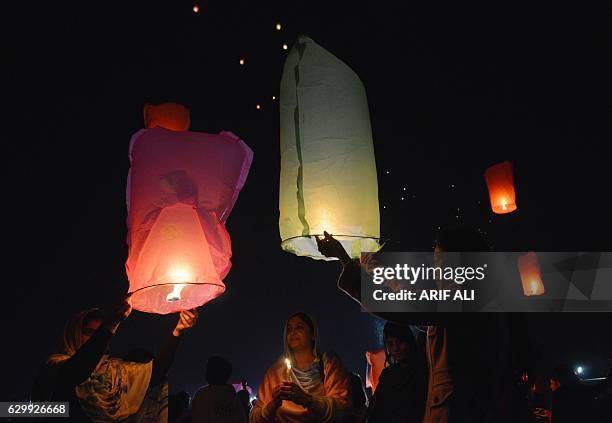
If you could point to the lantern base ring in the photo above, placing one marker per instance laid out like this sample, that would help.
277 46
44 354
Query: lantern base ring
173 283
306 245
334 235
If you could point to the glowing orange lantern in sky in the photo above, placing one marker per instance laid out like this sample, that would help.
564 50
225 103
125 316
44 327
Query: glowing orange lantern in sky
531 278
181 189
167 115
501 187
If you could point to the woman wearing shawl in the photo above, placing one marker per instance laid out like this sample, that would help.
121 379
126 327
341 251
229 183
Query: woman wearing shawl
309 387
98 387
402 388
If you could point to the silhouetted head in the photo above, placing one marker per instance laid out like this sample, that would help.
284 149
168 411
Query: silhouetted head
218 370
400 343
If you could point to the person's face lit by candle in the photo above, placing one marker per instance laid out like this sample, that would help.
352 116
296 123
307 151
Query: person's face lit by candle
299 335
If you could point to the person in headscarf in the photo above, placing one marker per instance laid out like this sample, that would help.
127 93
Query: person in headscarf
303 386
100 388
402 387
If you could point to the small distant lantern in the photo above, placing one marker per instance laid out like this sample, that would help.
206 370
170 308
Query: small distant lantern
258 107
181 188
278 27
531 277
376 364
328 178
196 8
500 183
285 46
242 61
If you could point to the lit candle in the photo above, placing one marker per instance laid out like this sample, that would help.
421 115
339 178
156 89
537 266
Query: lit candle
288 364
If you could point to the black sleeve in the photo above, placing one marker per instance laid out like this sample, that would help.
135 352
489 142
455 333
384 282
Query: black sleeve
164 360
80 366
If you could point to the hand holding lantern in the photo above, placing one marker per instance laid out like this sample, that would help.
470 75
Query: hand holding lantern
331 247
187 320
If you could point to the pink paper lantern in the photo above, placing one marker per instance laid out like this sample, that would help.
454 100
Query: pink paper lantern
181 189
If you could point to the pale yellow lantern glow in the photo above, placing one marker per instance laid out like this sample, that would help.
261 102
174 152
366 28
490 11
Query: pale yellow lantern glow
278 27
242 61
328 171
285 47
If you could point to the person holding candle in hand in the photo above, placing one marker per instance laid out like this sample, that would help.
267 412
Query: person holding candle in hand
303 386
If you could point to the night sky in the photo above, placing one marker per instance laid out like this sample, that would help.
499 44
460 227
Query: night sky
451 91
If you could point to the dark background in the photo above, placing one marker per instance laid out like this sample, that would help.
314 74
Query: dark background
451 91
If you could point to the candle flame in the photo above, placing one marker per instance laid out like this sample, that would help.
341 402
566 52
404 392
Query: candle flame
288 363
504 205
177 275
175 295
534 286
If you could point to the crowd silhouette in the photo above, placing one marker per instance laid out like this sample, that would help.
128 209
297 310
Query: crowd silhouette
439 367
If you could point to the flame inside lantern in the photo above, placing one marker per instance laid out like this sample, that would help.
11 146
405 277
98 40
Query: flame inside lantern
179 274
531 277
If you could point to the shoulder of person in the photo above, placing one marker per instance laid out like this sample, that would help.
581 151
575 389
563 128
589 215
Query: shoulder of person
277 368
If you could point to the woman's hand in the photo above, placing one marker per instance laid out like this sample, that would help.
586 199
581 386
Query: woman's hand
292 392
331 247
187 320
116 312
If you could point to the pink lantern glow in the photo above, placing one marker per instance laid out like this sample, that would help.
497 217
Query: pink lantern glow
181 189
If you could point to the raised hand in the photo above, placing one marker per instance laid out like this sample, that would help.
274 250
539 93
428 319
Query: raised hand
187 320
331 247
